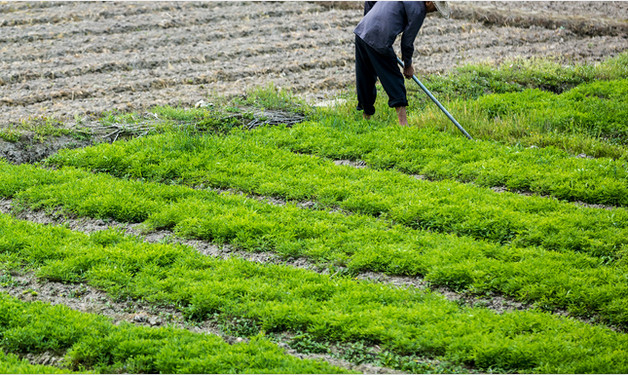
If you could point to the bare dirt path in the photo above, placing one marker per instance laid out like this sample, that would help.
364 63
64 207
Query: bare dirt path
72 59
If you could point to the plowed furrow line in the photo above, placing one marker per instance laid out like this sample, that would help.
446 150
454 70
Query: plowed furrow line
577 24
227 82
19 72
162 21
126 63
67 12
598 9
201 36
117 82
246 44
581 50
310 85
10 7
482 38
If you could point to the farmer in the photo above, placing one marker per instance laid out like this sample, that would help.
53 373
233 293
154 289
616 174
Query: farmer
375 56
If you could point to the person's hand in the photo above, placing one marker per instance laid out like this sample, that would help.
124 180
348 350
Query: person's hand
408 71
430 7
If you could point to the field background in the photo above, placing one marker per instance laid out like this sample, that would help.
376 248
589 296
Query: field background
372 247
71 59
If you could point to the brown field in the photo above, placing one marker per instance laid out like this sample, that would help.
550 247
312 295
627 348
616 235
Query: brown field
72 59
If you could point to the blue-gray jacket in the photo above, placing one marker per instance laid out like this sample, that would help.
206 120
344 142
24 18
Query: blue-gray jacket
384 20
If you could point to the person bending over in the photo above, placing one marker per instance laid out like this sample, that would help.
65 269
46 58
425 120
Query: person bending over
374 54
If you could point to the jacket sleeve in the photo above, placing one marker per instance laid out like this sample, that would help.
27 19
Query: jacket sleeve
415 13
368 5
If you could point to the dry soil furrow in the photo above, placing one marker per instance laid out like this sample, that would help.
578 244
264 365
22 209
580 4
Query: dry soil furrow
141 55
164 68
228 82
215 39
63 60
591 9
474 38
312 84
21 94
10 6
533 15
75 11
165 20
201 37
266 55
338 27
496 51
154 58
65 51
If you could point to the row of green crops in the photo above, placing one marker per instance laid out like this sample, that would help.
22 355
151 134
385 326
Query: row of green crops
241 161
439 156
511 108
516 75
584 120
275 298
598 109
93 342
585 285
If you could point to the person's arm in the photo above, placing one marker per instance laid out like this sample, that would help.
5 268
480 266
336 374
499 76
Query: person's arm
430 7
415 13
368 5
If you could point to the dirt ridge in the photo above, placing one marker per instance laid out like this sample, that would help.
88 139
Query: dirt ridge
68 59
578 24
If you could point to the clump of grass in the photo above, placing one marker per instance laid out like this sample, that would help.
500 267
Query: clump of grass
10 134
598 110
40 129
579 108
93 343
517 74
271 97
219 116
589 119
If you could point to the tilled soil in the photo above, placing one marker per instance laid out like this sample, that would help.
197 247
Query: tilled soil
72 59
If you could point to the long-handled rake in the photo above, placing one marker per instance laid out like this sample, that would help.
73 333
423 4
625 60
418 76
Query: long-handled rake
436 101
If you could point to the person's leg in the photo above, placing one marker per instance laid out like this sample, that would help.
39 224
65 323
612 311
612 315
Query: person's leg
391 78
365 79
401 116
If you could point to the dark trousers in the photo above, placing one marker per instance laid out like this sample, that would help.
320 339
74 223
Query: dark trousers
370 65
